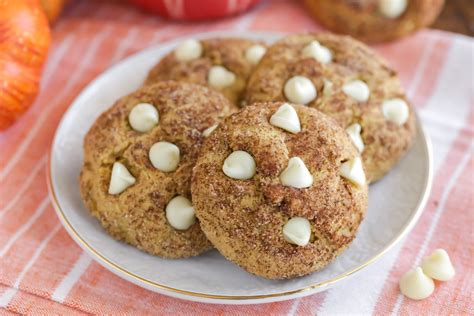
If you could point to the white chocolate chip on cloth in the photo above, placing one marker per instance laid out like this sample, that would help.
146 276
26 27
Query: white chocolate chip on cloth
354 87
130 178
416 285
237 56
438 266
296 175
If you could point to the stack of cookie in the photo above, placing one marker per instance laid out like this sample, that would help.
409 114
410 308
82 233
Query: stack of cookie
263 152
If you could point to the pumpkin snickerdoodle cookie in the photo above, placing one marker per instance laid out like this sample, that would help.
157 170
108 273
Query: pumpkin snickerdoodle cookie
375 20
138 160
344 79
223 64
279 189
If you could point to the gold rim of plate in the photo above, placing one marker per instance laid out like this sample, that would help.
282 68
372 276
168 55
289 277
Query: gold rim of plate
120 270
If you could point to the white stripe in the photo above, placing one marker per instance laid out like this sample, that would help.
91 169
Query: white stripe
8 295
75 76
54 59
84 260
71 278
294 307
364 290
123 45
421 68
39 210
21 192
245 21
437 215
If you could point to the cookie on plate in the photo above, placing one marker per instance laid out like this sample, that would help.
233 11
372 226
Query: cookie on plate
343 78
223 64
138 160
375 20
279 189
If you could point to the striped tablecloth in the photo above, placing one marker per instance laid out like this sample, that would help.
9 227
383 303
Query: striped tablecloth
42 271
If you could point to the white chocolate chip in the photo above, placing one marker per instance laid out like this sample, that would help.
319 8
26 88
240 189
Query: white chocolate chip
392 9
354 133
164 156
188 50
143 117
296 174
396 110
239 165
120 179
438 266
327 89
357 89
317 51
416 285
353 171
219 77
300 90
297 231
180 213
209 130
286 118
254 53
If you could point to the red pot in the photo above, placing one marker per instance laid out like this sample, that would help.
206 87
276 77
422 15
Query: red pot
195 9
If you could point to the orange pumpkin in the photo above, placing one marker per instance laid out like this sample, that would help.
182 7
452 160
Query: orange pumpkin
24 42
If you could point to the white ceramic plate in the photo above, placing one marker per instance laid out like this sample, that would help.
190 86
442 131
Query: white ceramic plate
395 204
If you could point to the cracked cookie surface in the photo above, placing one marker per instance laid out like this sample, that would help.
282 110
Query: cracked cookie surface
137 214
244 218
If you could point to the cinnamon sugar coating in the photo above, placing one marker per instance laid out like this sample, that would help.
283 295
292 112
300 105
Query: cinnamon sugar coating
137 215
226 52
244 218
385 142
363 19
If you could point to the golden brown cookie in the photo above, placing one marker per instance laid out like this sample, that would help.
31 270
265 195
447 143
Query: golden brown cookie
223 64
375 20
279 189
343 78
138 157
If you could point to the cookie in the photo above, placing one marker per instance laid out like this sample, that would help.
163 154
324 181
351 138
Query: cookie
138 160
375 20
344 79
223 64
279 189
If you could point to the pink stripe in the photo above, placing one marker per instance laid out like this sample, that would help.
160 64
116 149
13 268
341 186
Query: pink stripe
408 253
